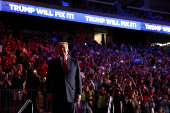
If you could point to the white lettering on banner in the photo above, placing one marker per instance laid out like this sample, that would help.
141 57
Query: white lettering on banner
153 27
166 29
137 60
70 15
21 8
92 19
125 23
44 12
39 11
60 14
132 24
95 19
113 22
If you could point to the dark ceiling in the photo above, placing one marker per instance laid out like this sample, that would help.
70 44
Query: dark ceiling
159 5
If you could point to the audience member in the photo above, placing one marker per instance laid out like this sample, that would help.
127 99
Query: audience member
105 71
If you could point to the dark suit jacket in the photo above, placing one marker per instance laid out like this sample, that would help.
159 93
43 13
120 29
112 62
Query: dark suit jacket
61 85
84 106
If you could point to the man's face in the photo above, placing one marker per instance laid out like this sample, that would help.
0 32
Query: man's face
115 81
150 83
151 91
118 93
104 82
6 76
86 88
103 91
62 50
158 77
160 110
166 81
132 94
19 72
93 76
141 80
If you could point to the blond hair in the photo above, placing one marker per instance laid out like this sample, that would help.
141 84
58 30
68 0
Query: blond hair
62 43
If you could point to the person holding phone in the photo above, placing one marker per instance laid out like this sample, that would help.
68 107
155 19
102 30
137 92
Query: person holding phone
6 83
164 103
149 105
105 85
151 92
118 101
132 104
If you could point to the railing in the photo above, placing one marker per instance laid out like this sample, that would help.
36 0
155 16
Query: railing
25 105
147 14
110 105
101 2
130 7
11 100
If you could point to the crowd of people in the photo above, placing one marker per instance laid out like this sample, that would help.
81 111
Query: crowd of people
135 76
139 86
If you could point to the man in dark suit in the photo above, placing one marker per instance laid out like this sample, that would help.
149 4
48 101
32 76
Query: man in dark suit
82 107
63 81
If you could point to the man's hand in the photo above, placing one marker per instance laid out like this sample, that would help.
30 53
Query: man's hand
130 77
19 76
122 85
50 97
166 97
78 98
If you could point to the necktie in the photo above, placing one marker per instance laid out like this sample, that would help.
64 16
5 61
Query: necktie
78 107
64 66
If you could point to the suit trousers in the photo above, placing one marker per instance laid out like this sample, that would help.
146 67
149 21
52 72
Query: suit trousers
60 103
64 107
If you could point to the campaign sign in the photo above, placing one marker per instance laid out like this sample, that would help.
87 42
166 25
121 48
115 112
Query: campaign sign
137 60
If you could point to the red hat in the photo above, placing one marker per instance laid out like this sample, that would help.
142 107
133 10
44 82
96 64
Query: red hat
142 78
102 88
107 95
104 78
150 81
156 75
